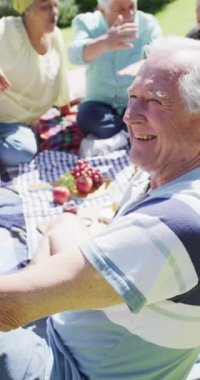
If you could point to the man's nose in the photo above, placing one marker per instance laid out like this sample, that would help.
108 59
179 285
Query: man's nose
126 117
135 111
129 15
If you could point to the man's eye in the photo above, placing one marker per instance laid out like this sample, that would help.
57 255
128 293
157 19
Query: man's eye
154 100
132 97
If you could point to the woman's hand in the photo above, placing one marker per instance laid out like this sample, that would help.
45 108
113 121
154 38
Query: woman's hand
4 82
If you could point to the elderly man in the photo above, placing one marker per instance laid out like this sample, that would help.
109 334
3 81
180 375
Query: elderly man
127 300
107 40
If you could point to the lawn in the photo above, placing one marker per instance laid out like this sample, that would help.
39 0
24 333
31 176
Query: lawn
175 19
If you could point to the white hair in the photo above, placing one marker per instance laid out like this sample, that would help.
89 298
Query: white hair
181 53
104 3
107 3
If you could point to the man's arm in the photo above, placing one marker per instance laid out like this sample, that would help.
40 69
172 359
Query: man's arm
63 281
119 36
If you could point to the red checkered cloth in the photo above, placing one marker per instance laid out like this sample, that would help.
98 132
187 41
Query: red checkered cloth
56 132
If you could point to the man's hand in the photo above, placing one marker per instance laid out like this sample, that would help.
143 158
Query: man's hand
58 234
119 37
4 82
121 33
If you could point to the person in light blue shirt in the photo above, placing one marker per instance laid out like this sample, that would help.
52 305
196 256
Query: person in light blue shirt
106 41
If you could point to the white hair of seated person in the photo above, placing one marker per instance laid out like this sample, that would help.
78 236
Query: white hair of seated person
105 4
188 52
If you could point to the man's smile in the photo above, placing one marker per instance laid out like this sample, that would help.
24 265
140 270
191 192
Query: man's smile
143 137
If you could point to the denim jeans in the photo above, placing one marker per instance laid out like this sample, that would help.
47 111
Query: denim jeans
18 144
99 119
23 353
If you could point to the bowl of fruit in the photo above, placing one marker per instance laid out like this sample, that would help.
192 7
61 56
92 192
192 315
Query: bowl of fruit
82 181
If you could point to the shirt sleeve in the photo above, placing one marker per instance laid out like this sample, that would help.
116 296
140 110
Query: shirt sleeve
149 27
81 38
11 42
142 259
156 29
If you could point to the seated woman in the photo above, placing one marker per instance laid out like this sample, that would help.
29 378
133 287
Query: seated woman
32 76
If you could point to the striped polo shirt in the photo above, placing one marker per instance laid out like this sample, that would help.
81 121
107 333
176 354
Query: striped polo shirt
150 254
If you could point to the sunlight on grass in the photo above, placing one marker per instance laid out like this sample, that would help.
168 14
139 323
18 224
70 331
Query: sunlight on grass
67 35
176 18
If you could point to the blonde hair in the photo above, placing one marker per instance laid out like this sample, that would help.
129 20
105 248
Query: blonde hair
21 5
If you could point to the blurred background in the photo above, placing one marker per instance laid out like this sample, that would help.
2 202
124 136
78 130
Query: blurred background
176 17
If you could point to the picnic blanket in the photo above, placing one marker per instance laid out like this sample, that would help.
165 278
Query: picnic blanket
57 132
46 168
14 252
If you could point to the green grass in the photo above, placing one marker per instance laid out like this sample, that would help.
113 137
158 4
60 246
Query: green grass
175 19
178 17
67 35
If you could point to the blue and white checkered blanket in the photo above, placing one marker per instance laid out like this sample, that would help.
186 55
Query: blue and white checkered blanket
47 167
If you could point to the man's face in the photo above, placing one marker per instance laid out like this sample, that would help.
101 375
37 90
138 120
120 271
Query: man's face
46 14
125 8
158 121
